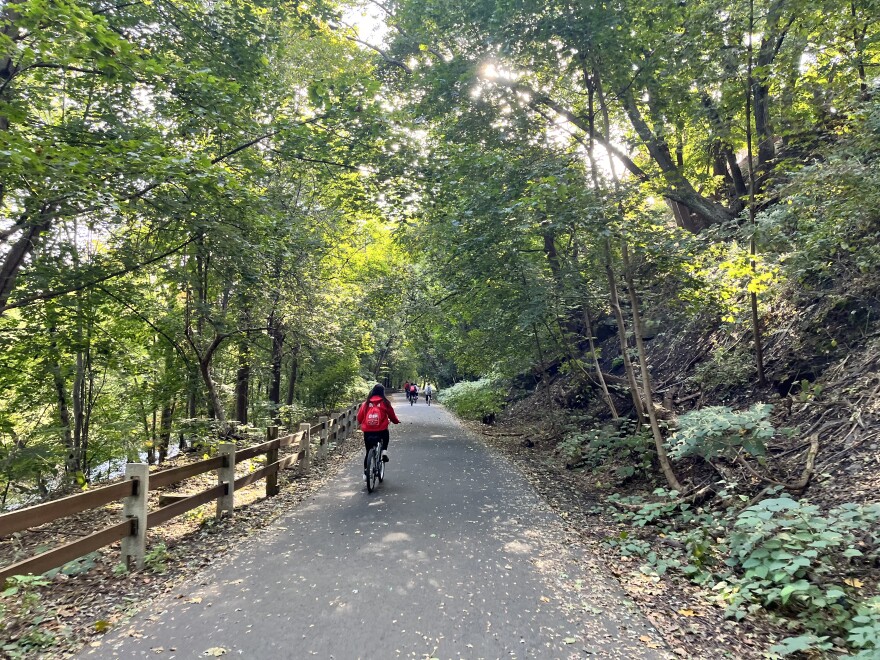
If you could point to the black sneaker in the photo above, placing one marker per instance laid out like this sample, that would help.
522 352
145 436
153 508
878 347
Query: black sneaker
384 456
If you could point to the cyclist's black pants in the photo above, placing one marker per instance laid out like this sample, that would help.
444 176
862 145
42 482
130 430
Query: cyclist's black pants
372 438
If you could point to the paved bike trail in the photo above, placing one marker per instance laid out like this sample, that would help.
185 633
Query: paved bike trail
453 556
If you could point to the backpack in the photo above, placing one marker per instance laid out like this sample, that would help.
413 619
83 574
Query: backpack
375 415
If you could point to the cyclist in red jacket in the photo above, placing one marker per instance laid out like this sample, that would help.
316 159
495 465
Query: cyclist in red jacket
373 416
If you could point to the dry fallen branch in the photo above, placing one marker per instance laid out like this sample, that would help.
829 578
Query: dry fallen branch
695 497
794 450
809 464
689 397
763 478
802 483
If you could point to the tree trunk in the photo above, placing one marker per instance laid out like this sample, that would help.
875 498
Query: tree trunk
192 396
662 457
243 376
78 407
621 334
763 128
552 255
771 41
215 405
86 376
192 375
724 161
277 335
609 267
859 50
588 322
9 18
165 421
90 397
588 325
680 189
545 377
753 297
71 465
16 255
294 373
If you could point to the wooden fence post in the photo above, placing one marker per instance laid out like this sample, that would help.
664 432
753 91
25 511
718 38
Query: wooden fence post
335 436
305 445
226 475
323 435
272 457
134 547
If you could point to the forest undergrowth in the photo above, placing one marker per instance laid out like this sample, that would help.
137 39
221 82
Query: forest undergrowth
773 549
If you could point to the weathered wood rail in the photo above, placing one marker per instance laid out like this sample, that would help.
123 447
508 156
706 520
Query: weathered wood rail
139 481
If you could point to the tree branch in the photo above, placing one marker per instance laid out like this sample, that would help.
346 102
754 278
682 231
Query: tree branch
177 347
384 55
56 293
546 101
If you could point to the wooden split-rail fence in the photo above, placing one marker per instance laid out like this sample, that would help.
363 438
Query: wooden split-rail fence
139 481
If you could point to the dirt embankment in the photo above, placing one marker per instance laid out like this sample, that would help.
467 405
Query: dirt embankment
826 397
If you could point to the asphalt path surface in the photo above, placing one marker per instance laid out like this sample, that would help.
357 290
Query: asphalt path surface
453 556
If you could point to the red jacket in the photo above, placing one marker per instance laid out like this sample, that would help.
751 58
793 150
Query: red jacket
389 415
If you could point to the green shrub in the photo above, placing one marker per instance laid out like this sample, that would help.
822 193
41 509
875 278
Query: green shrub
720 431
788 550
827 226
781 556
294 414
203 434
332 380
617 442
358 390
157 557
726 370
474 400
789 557
21 616
75 566
864 634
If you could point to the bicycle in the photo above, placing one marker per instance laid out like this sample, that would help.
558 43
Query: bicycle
375 467
413 398
428 398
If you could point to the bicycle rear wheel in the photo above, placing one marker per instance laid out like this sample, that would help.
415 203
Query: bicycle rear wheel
380 468
371 469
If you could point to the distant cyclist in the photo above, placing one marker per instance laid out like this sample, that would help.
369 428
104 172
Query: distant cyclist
413 393
373 416
429 393
406 389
